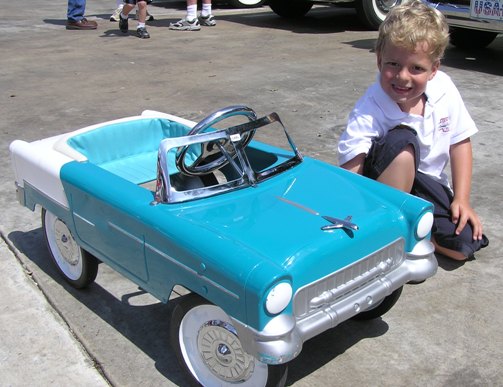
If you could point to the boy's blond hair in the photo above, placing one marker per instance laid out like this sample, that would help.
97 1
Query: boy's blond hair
412 23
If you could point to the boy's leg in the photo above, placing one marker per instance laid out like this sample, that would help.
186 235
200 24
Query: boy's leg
141 30
128 7
123 17
393 159
142 11
458 247
401 171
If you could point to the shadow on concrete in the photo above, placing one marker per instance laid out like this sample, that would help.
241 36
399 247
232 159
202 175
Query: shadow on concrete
320 20
487 60
146 326
324 348
449 264
56 22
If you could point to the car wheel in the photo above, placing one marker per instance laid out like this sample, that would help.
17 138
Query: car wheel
466 38
78 267
385 305
373 12
246 3
210 351
290 8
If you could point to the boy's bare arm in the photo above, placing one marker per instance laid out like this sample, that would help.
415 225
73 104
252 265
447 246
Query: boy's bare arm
461 168
355 164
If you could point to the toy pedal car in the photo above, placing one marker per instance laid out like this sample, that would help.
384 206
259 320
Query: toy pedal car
274 248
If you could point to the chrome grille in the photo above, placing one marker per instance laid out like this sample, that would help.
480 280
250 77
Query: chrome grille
329 289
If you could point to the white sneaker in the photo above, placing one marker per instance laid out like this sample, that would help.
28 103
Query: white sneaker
185 25
115 16
208 21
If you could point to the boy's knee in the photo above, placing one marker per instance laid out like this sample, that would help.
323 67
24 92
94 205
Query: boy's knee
459 247
399 146
406 158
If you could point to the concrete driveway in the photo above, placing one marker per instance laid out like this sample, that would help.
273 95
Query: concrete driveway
447 331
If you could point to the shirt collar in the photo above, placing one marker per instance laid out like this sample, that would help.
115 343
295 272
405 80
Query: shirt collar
434 92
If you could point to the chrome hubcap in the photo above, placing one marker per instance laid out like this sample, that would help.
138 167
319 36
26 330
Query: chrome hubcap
222 352
66 245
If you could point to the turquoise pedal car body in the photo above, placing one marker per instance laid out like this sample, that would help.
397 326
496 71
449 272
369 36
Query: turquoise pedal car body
274 248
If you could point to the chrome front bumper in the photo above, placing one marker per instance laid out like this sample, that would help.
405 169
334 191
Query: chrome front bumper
458 15
282 339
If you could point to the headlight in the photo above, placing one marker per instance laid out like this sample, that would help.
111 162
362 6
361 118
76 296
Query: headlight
424 224
278 297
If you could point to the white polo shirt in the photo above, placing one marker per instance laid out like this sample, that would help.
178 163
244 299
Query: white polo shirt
446 122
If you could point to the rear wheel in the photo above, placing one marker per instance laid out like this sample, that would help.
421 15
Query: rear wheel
76 266
373 12
210 352
384 306
290 8
466 38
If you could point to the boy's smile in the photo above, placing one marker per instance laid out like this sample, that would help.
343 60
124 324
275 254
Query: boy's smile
405 74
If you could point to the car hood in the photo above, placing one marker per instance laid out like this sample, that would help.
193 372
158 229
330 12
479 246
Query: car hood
281 219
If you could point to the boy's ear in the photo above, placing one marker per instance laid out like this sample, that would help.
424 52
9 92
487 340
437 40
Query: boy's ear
434 69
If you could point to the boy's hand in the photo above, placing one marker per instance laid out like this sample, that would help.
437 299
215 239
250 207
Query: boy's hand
462 213
461 167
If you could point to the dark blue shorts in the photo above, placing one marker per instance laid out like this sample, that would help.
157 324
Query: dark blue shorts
136 1
384 151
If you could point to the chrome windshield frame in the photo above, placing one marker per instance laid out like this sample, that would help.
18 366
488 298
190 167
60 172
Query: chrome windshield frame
165 192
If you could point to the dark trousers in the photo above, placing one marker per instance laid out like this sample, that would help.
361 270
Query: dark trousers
384 150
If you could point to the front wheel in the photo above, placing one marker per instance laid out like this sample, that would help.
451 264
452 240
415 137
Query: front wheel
373 12
384 306
78 267
210 352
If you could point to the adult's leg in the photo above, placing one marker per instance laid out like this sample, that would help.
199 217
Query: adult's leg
76 10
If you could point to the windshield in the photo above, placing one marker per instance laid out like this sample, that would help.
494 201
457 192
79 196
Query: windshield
219 160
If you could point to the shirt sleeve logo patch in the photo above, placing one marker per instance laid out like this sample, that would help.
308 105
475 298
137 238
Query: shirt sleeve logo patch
443 125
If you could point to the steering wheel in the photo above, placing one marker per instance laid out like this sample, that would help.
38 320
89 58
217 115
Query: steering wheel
204 163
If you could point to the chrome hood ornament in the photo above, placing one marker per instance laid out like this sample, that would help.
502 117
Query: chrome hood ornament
339 223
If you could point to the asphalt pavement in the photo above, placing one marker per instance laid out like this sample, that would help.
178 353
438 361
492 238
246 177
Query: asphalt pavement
447 331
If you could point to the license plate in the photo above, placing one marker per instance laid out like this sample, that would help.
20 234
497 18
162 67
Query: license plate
486 9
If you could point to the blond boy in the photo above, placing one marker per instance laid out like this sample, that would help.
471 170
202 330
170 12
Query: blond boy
412 121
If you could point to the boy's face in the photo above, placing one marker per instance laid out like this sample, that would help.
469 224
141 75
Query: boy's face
405 73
